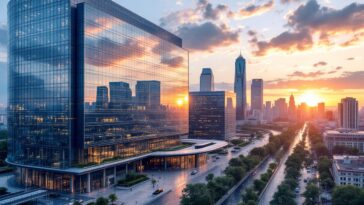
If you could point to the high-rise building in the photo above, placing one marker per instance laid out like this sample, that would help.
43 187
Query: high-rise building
348 113
280 109
257 95
207 80
62 56
212 115
321 110
148 93
268 113
302 112
120 95
240 87
102 97
292 113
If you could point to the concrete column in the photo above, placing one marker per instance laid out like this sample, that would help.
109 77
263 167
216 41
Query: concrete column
165 163
196 161
88 189
71 184
126 169
115 175
104 178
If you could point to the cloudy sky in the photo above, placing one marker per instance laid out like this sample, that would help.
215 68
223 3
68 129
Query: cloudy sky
295 46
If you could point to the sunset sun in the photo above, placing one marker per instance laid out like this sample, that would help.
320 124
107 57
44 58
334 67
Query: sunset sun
310 97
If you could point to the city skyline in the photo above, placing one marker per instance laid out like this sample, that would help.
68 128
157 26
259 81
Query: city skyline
338 67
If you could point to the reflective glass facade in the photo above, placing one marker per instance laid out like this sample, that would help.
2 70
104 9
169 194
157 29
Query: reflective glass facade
134 84
40 65
212 115
91 81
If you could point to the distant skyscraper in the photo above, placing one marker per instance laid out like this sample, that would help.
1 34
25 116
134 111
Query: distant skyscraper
257 95
321 110
348 113
148 93
240 87
207 80
268 111
102 97
120 95
280 108
292 108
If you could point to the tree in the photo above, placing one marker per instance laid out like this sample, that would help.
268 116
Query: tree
3 191
284 196
344 195
311 194
236 172
113 198
259 185
102 201
250 195
209 177
196 194
153 181
258 151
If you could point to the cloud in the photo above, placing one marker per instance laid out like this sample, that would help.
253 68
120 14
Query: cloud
207 36
348 80
116 52
320 63
306 75
289 1
339 68
254 10
311 19
286 41
322 19
173 62
215 13
350 59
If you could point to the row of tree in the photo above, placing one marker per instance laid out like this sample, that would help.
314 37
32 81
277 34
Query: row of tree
251 195
285 194
216 187
101 201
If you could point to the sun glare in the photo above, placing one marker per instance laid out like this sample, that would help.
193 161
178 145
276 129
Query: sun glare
310 97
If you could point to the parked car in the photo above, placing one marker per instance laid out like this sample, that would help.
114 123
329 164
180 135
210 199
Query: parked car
194 172
158 191
297 190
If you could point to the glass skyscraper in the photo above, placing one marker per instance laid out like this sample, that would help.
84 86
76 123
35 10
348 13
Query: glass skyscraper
240 87
212 115
89 82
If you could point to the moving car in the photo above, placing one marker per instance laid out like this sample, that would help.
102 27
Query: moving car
194 172
158 191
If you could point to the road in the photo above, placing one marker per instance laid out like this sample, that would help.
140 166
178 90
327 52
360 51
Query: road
215 168
235 198
279 176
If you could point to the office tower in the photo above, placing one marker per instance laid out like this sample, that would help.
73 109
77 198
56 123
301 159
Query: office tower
329 115
280 109
302 112
120 95
148 93
257 95
212 115
207 80
240 87
348 113
102 97
321 110
292 114
268 111
62 54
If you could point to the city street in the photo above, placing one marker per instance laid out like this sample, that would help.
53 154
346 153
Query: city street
279 175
